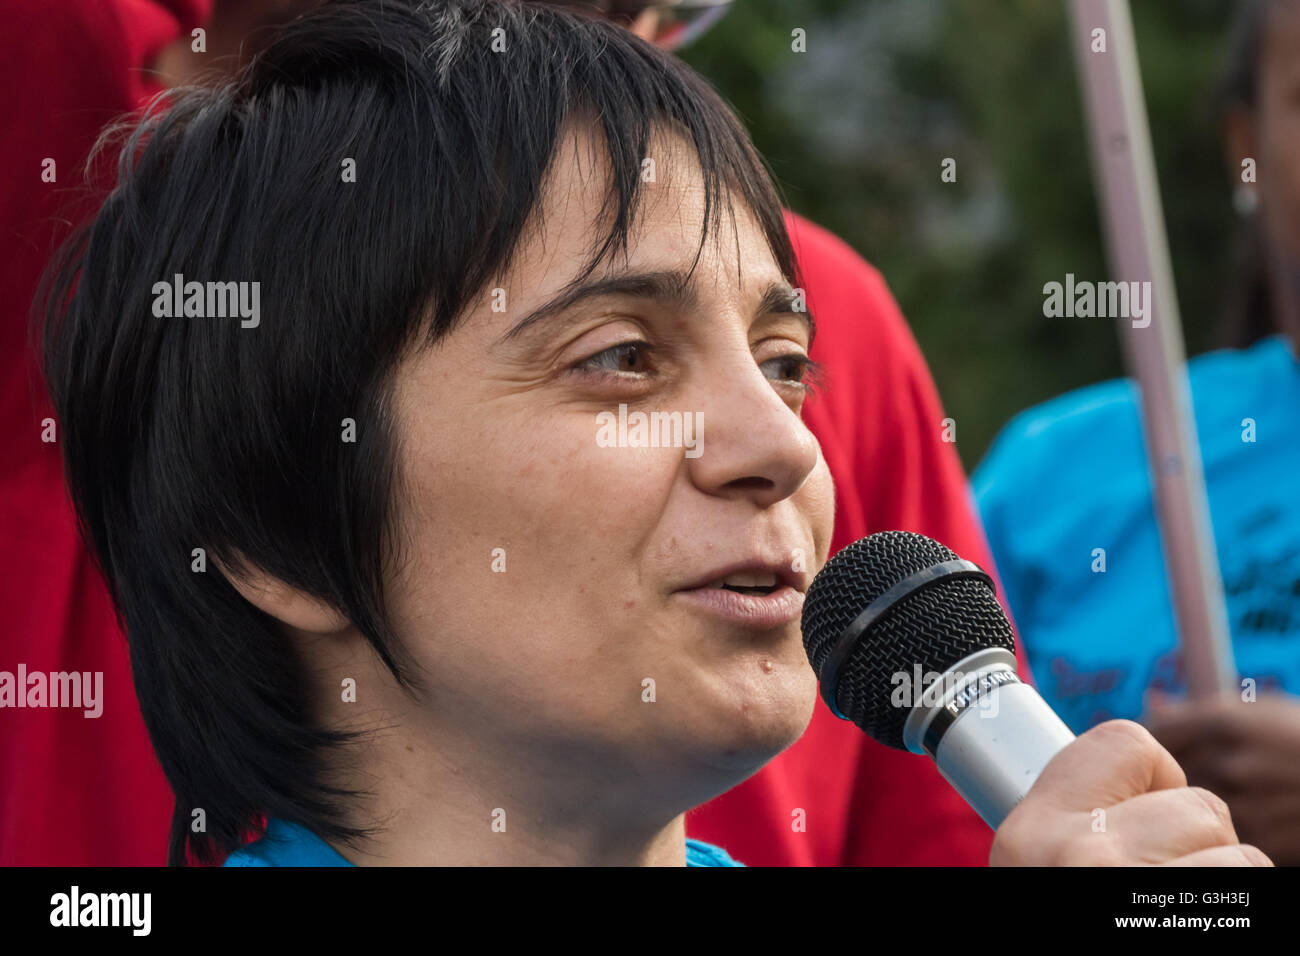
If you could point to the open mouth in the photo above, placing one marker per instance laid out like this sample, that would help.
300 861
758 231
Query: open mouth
749 590
759 600
748 583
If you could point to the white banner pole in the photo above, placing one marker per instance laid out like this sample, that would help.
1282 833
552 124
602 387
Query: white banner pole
1138 250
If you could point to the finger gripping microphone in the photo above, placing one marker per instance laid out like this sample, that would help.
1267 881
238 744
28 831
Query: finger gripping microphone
908 642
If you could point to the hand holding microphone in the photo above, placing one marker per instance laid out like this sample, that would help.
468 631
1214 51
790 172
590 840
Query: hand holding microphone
1115 797
909 643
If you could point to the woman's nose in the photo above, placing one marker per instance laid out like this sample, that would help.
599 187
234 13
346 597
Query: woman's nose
752 443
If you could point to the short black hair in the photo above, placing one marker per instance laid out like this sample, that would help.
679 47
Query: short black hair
1250 311
185 433
1239 79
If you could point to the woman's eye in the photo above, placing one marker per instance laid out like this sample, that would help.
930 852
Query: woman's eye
627 357
793 369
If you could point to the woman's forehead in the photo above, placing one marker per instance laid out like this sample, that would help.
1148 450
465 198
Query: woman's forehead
669 224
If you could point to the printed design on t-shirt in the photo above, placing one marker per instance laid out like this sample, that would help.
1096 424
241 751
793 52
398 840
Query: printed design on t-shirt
1262 582
1092 694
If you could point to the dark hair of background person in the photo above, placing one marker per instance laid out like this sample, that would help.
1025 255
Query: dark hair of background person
1250 311
185 433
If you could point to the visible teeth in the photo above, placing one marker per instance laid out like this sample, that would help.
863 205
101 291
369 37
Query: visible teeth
748 579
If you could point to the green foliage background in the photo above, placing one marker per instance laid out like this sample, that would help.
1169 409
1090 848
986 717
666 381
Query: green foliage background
856 127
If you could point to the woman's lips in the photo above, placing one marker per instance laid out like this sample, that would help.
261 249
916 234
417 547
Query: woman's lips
760 611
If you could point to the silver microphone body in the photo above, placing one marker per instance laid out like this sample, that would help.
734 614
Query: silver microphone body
989 733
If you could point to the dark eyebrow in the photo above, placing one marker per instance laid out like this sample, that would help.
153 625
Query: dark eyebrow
780 299
669 287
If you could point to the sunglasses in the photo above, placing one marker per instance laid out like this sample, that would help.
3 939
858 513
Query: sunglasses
677 22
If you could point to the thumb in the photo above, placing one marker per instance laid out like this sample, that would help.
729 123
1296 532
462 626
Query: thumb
1113 762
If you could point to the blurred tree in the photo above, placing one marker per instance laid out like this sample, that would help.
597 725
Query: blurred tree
856 129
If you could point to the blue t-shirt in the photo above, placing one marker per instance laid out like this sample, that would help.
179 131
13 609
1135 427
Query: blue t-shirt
1070 476
288 844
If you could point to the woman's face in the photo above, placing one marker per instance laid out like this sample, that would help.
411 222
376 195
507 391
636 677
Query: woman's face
548 572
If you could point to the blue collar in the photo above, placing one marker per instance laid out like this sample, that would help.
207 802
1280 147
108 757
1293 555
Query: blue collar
288 844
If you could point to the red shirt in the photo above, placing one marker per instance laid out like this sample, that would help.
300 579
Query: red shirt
73 790
89 791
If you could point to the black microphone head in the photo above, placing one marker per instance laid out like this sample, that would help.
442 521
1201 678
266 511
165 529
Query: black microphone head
935 621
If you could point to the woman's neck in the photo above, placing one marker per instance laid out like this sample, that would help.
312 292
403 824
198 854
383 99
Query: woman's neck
431 800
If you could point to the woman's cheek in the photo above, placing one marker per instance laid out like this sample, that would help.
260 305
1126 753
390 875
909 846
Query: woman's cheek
620 483
819 507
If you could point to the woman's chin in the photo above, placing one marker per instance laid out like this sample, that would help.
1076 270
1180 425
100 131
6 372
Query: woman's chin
751 722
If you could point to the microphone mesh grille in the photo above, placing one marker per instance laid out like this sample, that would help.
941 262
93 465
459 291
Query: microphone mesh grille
931 628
